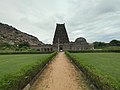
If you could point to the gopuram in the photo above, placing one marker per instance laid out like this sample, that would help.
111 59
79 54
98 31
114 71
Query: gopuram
61 42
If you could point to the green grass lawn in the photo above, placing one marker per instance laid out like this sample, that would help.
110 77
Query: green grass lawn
105 65
13 63
14 69
111 48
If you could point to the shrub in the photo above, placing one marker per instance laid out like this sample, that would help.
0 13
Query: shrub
18 80
100 75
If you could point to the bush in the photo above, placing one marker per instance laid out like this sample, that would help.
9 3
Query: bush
24 45
18 80
7 53
103 81
94 51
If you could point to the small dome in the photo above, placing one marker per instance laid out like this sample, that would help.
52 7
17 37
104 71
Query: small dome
80 39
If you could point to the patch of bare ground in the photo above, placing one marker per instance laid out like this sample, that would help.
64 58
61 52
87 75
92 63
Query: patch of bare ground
60 74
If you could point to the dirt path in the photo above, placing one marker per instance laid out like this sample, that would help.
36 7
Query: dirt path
60 75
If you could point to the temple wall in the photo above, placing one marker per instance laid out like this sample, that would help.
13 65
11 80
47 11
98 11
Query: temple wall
43 48
61 42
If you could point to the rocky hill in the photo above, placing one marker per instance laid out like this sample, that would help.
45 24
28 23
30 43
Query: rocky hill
11 35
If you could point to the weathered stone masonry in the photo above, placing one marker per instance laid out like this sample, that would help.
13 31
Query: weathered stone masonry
61 42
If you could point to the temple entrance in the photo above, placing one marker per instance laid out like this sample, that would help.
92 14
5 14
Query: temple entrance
61 48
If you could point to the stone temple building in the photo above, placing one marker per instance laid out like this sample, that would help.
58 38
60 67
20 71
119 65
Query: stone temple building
61 42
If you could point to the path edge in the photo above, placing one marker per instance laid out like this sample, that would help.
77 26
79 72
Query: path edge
29 85
87 80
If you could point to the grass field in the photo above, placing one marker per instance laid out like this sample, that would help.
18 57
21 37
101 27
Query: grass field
102 68
13 63
111 48
14 67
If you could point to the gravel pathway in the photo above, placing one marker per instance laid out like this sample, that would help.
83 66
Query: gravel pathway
60 74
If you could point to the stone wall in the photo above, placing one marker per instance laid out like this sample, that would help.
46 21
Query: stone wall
43 48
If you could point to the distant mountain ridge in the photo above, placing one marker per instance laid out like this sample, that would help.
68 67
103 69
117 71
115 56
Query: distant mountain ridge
11 35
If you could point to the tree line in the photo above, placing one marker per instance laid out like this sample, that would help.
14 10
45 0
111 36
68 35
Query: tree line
17 46
103 44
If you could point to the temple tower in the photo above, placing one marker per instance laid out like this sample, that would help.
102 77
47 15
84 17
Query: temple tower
60 40
60 35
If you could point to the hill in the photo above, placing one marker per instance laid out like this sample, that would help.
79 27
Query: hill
11 35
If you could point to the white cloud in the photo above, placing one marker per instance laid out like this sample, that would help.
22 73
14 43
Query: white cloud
93 19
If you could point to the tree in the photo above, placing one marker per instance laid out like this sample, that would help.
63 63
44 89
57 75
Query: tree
24 45
114 43
99 44
5 45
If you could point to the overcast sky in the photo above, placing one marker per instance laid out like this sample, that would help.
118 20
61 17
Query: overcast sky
96 20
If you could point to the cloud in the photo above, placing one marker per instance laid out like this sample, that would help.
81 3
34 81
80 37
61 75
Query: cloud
96 20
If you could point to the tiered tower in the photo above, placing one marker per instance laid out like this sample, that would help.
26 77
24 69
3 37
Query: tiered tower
61 42
60 35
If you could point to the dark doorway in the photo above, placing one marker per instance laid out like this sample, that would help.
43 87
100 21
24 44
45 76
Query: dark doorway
61 48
